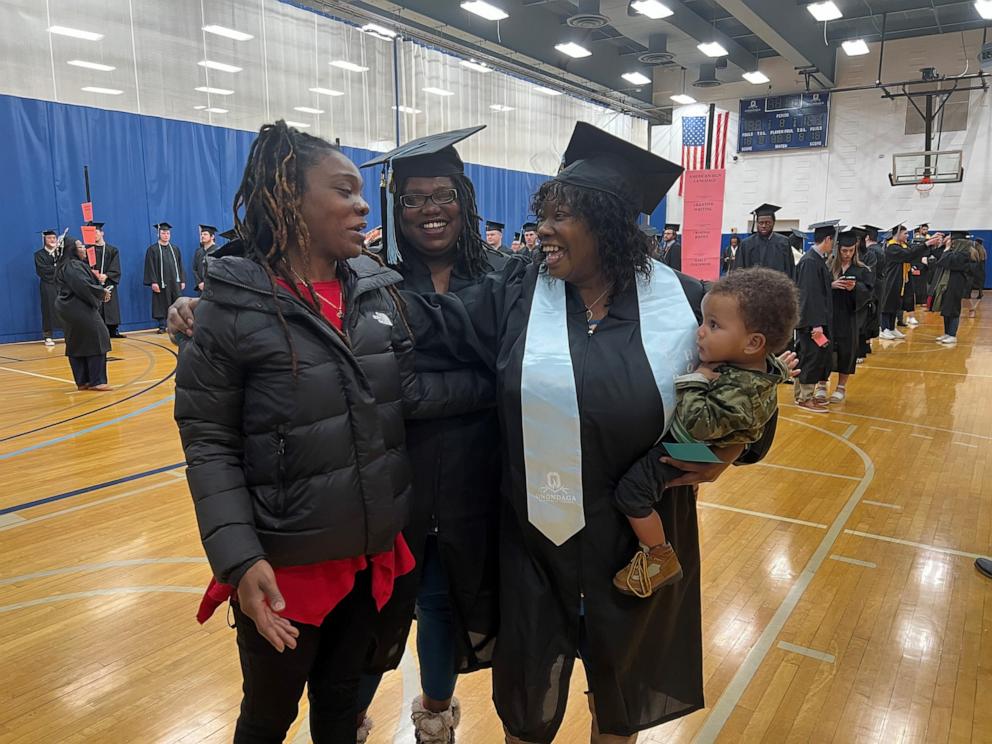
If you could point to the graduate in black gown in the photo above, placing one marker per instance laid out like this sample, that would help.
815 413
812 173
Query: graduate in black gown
814 335
873 257
81 294
728 254
899 255
576 341
45 260
654 246
765 247
494 236
851 294
671 247
107 269
206 248
164 273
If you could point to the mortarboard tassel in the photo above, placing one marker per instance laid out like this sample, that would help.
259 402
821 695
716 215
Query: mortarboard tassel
393 256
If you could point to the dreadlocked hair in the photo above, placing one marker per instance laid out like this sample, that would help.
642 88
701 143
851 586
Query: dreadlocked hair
270 197
624 251
470 249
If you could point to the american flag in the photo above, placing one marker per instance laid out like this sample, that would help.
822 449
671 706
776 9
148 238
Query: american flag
694 142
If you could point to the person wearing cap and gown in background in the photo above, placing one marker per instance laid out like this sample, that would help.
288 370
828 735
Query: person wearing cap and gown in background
954 271
46 259
107 269
164 273
873 257
494 236
728 254
977 277
203 251
452 443
898 257
518 243
671 247
915 291
813 332
851 291
87 340
530 246
654 246
585 352
764 247
797 242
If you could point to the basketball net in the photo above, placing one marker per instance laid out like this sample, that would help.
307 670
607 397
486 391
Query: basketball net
925 186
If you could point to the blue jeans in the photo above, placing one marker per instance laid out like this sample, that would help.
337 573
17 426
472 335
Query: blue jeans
435 634
951 325
888 321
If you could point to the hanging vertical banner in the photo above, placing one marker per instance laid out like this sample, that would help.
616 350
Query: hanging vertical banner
702 221
87 211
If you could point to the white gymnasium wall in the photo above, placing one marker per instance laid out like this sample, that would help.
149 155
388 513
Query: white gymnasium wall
848 180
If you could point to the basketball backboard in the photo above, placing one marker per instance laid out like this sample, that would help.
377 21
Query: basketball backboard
926 167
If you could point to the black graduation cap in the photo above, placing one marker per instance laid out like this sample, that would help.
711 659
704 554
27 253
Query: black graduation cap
650 230
97 225
597 160
797 239
765 210
518 237
848 237
433 155
48 232
231 234
208 228
871 231
824 229
529 227
162 226
673 226
490 225
959 235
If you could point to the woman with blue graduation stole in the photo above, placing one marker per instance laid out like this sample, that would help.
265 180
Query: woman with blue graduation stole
585 344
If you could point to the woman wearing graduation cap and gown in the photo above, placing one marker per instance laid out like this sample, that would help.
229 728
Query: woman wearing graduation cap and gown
164 273
585 345
765 247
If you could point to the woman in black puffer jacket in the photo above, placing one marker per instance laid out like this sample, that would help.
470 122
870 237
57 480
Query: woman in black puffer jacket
290 405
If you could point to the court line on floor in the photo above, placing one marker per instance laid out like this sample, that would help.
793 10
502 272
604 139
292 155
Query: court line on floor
108 405
88 430
912 544
929 371
90 489
87 567
881 504
87 505
851 428
763 515
731 696
804 651
880 428
166 588
805 470
966 444
853 561
905 423
920 436
35 374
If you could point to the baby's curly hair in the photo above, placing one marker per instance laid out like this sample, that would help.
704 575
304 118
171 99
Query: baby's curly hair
769 303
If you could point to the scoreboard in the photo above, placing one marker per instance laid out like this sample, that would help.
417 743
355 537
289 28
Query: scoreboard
790 122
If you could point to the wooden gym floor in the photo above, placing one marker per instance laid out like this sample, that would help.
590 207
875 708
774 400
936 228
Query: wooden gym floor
839 599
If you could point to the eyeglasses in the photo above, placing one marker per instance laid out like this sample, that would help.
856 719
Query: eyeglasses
416 201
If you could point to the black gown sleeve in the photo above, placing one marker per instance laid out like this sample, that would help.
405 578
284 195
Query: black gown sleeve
812 308
199 265
151 276
179 264
81 282
113 266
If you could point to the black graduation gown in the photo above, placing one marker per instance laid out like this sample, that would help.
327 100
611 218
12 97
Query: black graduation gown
168 277
874 259
78 307
671 255
643 658
773 252
108 261
200 265
44 267
727 257
453 446
893 282
815 310
848 314
959 267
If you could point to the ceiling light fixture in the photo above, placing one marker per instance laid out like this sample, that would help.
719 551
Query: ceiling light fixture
326 91
547 91
406 110
380 32
637 78
228 33
855 48
75 33
712 49
102 91
215 110
199 108
215 91
984 8
652 9
500 107
485 10
475 65
349 66
755 78
573 50
91 65
438 91
308 110
683 99
221 66
298 124
824 11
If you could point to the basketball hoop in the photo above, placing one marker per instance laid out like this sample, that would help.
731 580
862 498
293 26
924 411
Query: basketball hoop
925 186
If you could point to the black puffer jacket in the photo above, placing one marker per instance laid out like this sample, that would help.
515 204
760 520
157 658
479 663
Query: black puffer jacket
297 470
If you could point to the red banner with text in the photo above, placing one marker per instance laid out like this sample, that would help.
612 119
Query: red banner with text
702 223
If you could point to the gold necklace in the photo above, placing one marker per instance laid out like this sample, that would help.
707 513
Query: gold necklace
337 308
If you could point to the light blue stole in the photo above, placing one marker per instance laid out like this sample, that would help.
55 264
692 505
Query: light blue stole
549 404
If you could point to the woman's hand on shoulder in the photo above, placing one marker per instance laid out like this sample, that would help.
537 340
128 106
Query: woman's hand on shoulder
694 473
